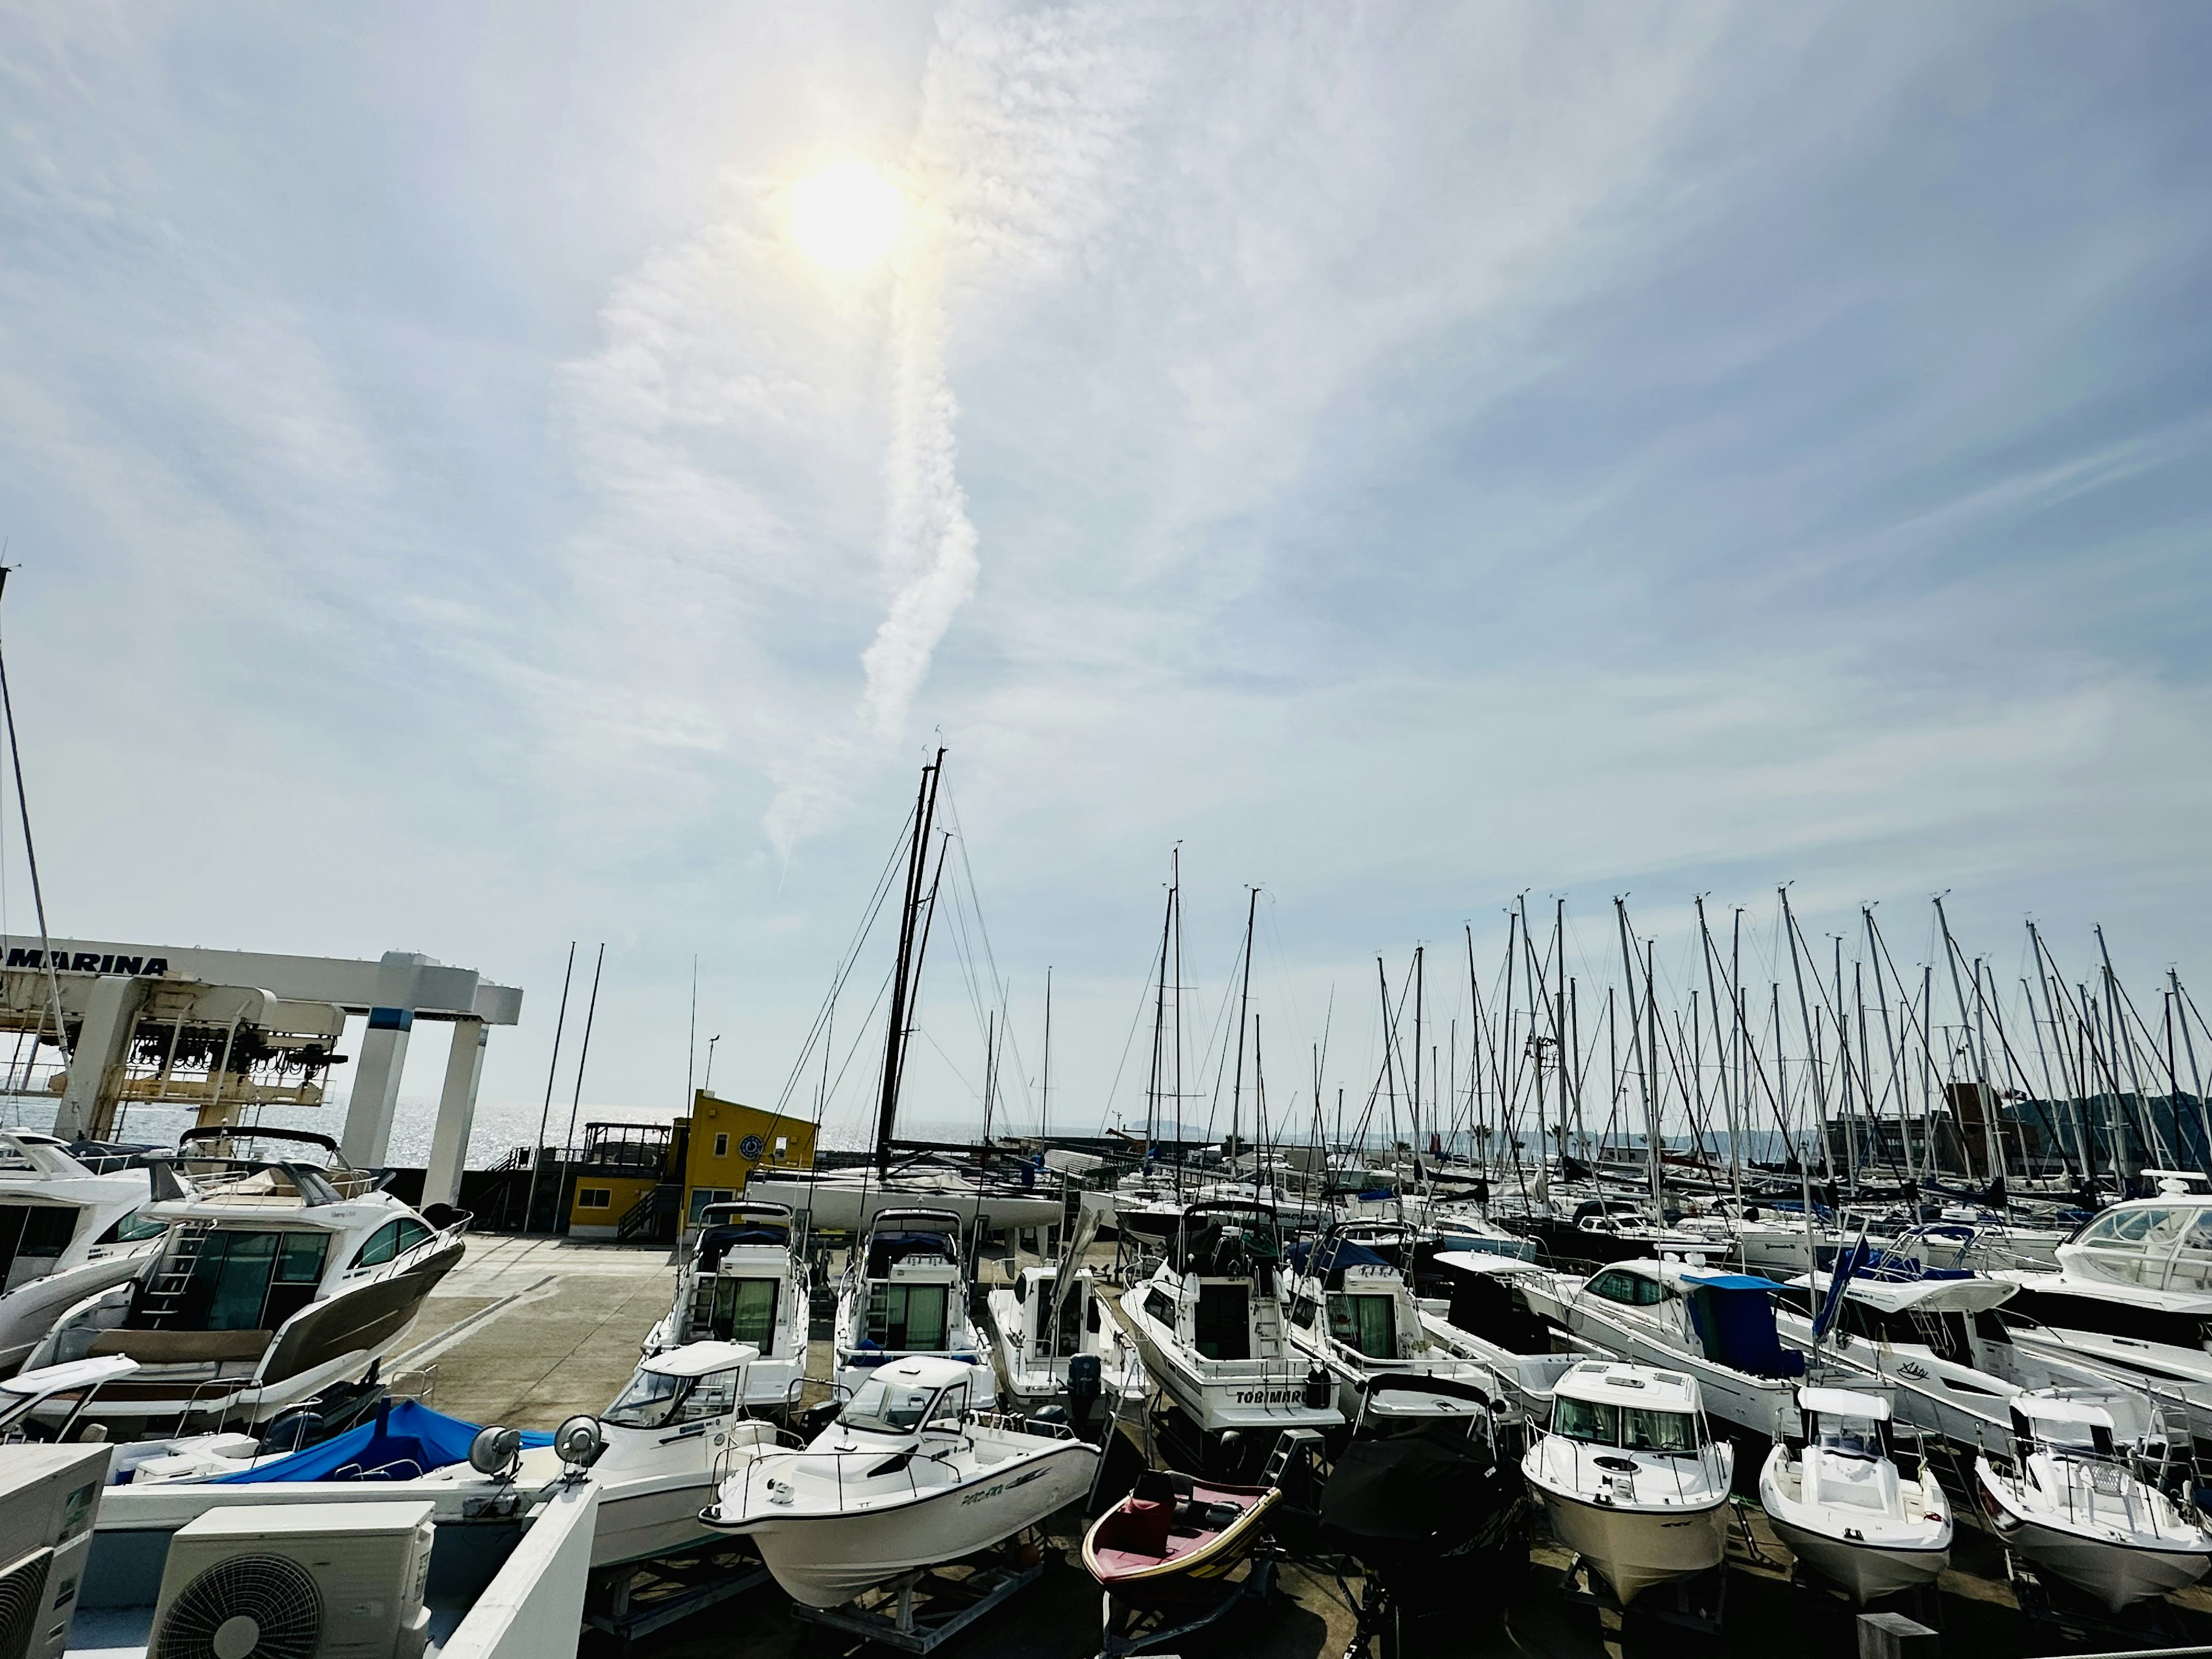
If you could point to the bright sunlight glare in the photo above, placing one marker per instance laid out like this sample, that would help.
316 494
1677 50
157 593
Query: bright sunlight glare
847 216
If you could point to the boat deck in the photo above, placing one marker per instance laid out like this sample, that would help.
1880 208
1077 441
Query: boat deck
529 1331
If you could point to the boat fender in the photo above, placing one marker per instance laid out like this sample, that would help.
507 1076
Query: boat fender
1317 1388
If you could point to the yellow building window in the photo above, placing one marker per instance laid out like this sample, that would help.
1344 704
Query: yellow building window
721 1146
594 1198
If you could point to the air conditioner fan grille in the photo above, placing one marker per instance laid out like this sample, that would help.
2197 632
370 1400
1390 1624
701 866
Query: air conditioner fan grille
22 1592
249 1607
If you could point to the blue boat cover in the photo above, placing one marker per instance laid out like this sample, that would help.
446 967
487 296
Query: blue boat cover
406 1439
1736 1322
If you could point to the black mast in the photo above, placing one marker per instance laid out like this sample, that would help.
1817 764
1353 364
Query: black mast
895 1032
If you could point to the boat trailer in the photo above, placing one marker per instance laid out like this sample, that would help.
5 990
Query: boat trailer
919 1610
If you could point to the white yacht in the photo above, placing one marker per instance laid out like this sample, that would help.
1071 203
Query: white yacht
1352 1313
1843 1505
2133 1288
1039 1330
1937 1346
67 1229
1631 1477
745 1280
280 1276
907 1477
1211 1331
905 1293
2067 1501
1718 1327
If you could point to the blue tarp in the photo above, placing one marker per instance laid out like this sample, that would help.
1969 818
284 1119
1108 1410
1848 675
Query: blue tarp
405 1440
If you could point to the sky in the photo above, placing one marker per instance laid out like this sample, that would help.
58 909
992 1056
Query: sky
1408 456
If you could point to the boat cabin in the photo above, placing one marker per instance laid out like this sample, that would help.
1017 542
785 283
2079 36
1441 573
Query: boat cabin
1729 1317
2159 1243
912 1264
740 1267
915 1396
695 1384
2072 1428
1632 1408
1034 1289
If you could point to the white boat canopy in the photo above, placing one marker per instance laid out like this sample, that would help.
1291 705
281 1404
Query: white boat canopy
1974 1295
1611 1384
1844 1402
700 1358
1486 1261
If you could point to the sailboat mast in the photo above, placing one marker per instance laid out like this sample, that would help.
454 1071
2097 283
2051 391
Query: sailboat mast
925 811
1244 1007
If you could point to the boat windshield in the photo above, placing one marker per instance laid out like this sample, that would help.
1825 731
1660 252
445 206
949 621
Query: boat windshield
880 1407
1592 1420
1657 1431
1849 1437
654 1401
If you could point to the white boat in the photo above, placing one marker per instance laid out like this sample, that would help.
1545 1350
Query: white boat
1038 1330
905 1292
2133 1288
67 1230
1719 1327
281 1275
745 1280
1844 1507
1211 1331
2069 1503
1486 1318
1938 1348
907 1477
848 1200
1351 1312
1630 1476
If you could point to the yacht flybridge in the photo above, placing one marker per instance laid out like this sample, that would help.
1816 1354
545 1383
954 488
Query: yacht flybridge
2133 1288
745 1281
66 1230
280 1276
906 1294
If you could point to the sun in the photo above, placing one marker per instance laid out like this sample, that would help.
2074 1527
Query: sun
847 216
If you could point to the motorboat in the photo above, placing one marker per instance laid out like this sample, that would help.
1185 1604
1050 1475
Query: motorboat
2067 1501
1484 1316
1842 1501
905 1292
1719 1327
745 1280
850 1200
279 1276
1211 1332
1351 1312
1177 1540
664 1446
1631 1476
1933 1341
1039 1328
69 1227
1601 1231
2132 1289
1427 1493
909 1476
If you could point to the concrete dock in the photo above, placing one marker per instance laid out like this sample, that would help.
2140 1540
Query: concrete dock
529 1331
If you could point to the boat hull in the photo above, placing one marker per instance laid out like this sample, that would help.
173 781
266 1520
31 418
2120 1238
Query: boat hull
2114 1572
1633 1549
825 1560
1867 1571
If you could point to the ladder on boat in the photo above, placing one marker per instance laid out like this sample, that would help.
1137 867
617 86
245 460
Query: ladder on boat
165 1290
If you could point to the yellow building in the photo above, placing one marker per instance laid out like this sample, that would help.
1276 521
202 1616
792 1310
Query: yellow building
728 1142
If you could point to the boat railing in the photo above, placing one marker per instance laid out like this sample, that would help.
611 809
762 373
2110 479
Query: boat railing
1014 1422
1673 1465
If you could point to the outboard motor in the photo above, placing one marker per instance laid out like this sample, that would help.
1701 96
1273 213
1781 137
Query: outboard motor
1083 1388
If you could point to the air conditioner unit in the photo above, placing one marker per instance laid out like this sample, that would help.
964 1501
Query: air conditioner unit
308 1581
49 1498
